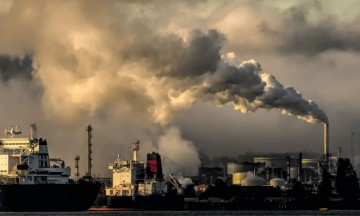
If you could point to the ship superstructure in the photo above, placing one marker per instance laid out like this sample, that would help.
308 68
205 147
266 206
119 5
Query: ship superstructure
26 161
132 178
32 181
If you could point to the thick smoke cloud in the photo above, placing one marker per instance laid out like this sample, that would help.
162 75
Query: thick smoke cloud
248 90
309 38
147 61
83 66
15 68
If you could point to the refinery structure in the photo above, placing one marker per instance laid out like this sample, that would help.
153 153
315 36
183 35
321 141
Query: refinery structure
276 170
252 182
257 182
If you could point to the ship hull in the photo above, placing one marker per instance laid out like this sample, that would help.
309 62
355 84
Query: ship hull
48 197
146 202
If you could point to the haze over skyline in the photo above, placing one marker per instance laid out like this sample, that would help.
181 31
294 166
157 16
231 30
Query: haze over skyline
167 73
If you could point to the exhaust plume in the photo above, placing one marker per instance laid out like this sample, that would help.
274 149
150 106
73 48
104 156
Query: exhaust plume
249 89
179 155
92 56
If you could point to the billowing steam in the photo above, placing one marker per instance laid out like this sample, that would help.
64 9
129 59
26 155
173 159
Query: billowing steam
179 155
248 90
127 58
88 56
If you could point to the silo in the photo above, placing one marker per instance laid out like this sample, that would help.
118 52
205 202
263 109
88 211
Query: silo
237 178
253 181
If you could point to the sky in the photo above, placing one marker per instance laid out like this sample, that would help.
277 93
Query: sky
224 78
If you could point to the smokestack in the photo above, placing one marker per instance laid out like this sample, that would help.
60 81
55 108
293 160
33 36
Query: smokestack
88 150
153 166
326 143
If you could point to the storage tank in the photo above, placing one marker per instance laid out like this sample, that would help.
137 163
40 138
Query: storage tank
277 182
238 177
253 181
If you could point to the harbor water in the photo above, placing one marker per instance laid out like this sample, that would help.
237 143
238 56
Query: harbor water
186 213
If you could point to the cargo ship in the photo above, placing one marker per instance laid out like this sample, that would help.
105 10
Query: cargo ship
32 181
140 186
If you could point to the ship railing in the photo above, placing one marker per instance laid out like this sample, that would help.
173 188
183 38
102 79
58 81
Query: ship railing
8 179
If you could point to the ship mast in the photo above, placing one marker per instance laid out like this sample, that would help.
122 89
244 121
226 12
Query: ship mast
88 150
77 158
135 148
33 131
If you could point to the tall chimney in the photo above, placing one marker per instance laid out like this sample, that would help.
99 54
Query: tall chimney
88 150
326 143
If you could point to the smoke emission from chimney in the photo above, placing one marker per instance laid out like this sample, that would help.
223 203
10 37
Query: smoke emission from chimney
90 58
84 67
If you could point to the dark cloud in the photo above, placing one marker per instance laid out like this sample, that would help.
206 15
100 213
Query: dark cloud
15 67
171 56
302 36
133 62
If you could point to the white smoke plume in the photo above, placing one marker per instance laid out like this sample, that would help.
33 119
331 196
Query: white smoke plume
88 56
135 59
178 155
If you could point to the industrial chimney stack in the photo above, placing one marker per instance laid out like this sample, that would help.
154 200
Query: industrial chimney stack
88 150
326 143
